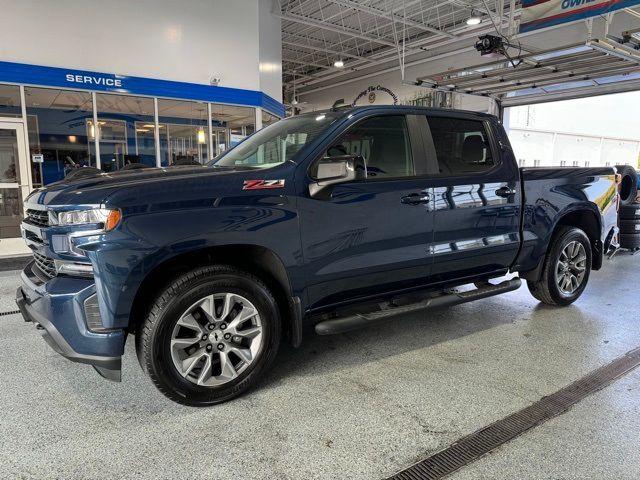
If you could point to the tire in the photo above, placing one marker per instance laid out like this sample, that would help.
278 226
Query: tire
215 289
628 185
630 212
631 227
630 241
547 289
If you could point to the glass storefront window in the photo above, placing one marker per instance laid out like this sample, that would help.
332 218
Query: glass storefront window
183 132
10 105
268 118
57 122
230 125
126 131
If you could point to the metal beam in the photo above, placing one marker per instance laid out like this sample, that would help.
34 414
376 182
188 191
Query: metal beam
294 17
301 62
315 48
391 16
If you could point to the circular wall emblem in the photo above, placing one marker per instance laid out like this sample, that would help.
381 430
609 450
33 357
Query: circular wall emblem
372 95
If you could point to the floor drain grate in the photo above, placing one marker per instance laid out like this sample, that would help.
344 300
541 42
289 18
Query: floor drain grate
12 312
470 448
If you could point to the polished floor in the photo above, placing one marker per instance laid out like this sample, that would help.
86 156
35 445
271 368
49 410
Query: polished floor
357 406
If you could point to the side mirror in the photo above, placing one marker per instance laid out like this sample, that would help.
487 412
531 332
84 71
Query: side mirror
332 170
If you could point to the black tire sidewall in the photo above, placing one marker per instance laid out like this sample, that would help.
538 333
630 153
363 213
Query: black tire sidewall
630 213
558 245
629 189
158 353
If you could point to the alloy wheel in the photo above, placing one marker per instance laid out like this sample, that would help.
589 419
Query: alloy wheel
216 339
571 267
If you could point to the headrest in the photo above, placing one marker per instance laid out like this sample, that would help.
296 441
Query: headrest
473 149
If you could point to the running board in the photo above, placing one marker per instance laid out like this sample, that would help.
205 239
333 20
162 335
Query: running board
360 320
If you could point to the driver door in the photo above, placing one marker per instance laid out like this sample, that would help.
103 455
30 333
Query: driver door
370 236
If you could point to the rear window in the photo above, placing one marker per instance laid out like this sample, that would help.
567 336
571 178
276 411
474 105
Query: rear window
462 146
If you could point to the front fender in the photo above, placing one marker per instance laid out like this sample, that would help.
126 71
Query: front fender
122 259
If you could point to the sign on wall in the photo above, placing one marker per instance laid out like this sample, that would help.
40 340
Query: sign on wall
109 82
538 14
377 93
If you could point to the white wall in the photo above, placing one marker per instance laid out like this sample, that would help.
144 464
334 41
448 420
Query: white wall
546 148
182 40
392 80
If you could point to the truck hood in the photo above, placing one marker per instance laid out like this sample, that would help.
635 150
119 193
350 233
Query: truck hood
94 190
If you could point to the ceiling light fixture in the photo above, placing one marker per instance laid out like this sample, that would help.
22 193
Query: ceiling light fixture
474 19
338 64
201 136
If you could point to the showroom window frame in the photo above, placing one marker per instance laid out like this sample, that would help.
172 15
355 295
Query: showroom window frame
23 118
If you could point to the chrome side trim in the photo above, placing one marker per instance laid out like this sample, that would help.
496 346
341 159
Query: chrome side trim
473 244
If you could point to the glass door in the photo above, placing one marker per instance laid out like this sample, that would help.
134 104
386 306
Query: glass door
220 141
14 178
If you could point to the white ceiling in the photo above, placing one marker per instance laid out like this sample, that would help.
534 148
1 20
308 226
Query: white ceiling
370 34
373 37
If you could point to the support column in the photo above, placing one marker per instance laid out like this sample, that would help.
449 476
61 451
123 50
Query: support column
157 130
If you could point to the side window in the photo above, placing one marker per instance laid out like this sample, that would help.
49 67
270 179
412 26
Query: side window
462 146
383 142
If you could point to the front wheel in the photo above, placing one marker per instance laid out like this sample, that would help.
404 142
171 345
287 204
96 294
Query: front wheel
566 268
210 335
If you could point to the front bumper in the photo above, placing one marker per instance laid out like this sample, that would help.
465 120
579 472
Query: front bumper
56 309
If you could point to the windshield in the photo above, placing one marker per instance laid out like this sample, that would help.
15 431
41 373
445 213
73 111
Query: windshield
276 143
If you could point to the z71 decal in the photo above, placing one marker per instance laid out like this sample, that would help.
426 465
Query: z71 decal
262 184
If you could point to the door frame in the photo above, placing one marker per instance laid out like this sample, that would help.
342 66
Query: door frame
214 143
24 165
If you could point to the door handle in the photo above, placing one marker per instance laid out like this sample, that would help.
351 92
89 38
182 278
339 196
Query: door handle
505 192
415 199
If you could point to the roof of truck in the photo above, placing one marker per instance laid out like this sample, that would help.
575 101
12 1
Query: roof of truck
348 109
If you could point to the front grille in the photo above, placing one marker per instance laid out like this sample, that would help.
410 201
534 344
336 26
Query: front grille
38 217
45 264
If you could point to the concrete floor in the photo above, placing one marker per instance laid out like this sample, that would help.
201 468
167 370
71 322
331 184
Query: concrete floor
357 406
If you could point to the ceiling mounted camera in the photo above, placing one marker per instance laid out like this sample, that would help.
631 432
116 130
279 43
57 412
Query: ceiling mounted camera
490 45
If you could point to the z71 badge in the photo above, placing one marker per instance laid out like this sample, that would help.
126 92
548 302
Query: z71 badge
262 184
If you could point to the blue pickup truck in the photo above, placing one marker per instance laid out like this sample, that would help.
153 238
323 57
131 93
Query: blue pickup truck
336 219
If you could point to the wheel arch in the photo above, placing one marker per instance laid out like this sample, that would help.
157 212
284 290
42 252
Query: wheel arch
587 220
257 260
585 217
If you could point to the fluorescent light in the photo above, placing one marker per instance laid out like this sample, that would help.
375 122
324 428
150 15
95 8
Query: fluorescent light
473 20
338 64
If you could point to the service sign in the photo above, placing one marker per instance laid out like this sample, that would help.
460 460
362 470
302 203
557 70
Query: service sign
538 14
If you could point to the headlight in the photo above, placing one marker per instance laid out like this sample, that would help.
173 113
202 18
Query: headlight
108 218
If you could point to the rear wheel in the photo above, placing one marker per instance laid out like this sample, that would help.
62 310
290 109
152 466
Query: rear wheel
210 335
566 268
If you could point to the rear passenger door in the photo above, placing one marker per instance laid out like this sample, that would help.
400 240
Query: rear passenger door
476 204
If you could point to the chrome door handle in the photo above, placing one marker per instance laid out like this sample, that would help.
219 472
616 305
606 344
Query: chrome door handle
505 192
415 199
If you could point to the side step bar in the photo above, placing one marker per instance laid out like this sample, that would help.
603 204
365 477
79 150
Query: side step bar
360 320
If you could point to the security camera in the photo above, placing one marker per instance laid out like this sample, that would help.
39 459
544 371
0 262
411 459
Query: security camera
490 45
215 81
